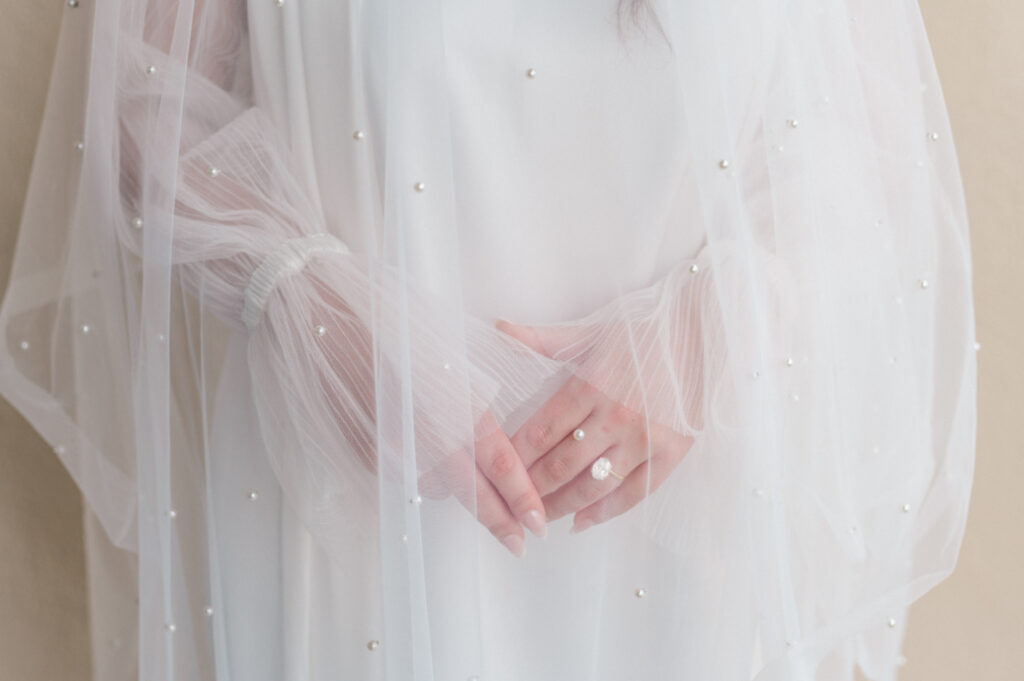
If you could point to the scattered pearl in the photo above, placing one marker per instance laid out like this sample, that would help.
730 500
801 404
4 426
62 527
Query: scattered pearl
756 374
723 164
906 508
72 3
416 500
447 366
137 222
531 73
891 622
279 3
934 137
79 146
24 345
209 611
171 627
641 592
172 514
794 123
977 346
373 645
419 187
578 434
213 171
253 495
789 361
694 269
405 538
923 283
320 330
358 135
85 328
150 70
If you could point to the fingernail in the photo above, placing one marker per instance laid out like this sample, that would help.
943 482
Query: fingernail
580 525
514 543
534 522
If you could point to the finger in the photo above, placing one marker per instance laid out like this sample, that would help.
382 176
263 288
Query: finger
499 462
547 340
468 485
568 458
585 490
555 419
638 485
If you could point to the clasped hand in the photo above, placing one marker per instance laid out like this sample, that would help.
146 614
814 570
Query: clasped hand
543 471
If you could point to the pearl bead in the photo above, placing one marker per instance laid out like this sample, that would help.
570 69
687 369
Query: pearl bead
373 645
419 187
137 222
694 269
171 627
358 135
531 73
405 538
85 328
933 136
209 611
789 361
79 146
977 346
756 374
253 495
578 434
416 500
891 622
723 164
794 123
906 508
279 3
72 3
320 330
447 366
213 171
641 592
23 345
150 70
172 514
923 283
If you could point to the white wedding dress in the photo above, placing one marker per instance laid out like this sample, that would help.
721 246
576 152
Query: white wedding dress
256 305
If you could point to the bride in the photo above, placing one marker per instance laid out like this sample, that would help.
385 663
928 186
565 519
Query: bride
449 340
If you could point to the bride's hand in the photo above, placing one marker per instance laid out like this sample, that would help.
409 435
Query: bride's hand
560 457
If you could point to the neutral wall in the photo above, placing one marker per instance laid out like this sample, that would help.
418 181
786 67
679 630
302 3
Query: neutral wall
971 627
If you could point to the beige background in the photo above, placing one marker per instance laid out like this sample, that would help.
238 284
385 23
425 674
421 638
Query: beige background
971 627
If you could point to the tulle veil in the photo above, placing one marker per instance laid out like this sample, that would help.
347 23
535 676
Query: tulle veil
196 298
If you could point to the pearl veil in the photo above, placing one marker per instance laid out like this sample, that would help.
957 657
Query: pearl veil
253 309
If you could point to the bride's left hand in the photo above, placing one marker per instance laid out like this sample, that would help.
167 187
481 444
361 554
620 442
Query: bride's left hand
644 453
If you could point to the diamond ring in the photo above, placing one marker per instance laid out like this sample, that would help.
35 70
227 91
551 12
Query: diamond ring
602 468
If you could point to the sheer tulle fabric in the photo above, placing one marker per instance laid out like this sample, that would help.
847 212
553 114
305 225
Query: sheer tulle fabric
254 308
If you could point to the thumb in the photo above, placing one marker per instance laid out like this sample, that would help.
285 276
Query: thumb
546 340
